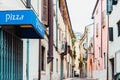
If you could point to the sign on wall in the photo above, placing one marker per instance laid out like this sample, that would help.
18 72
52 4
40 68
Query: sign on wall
22 17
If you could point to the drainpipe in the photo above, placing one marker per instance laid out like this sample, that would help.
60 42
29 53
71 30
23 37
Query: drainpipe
56 24
108 48
61 68
27 65
50 24
39 62
109 9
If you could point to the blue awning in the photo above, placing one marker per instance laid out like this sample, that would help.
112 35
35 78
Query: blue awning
26 18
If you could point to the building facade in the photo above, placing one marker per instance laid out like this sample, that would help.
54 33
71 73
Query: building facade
114 49
100 40
65 36
20 21
82 60
89 42
23 25
90 65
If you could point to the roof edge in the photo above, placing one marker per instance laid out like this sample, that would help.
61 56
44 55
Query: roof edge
94 9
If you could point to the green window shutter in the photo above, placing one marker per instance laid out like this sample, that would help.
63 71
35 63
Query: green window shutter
109 6
115 2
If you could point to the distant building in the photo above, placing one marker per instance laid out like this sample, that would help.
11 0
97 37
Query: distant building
78 36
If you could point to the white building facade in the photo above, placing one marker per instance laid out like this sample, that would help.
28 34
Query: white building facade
17 12
114 39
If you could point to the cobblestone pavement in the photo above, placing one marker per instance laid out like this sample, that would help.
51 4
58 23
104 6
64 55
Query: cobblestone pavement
76 78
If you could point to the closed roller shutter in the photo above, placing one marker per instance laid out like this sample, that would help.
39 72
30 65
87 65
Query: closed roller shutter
11 57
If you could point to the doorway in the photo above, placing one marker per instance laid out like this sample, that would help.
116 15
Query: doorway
112 66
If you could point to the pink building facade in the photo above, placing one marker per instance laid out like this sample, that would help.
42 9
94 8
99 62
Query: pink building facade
90 64
97 61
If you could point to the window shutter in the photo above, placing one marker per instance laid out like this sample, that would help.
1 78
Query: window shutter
109 6
44 11
28 4
115 2
110 33
118 24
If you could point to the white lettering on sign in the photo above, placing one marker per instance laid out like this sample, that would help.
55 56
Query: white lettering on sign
12 17
38 25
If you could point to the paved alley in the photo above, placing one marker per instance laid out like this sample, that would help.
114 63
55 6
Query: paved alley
76 78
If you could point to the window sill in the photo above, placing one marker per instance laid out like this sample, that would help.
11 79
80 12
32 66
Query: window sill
43 72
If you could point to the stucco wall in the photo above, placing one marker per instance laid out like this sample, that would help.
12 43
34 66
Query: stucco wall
33 58
100 42
114 46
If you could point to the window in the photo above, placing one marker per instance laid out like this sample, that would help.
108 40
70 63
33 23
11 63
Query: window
96 11
60 6
118 24
110 33
43 59
103 19
109 6
97 30
27 3
44 10
104 61
56 65
51 68
99 52
62 36
60 32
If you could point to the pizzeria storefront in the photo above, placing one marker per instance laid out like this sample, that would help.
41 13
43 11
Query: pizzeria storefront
16 25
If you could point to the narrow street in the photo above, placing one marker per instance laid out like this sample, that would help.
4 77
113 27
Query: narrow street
59 40
77 78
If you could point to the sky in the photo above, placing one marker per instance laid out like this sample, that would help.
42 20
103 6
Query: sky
80 12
